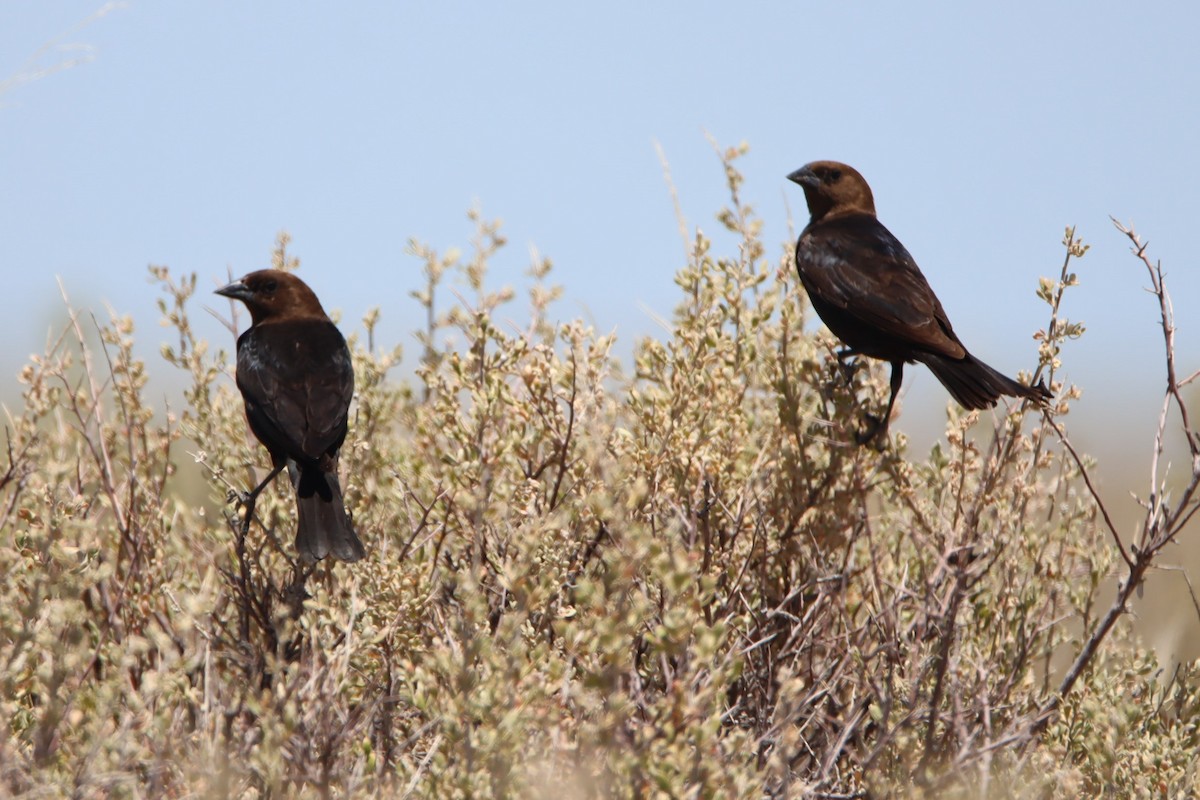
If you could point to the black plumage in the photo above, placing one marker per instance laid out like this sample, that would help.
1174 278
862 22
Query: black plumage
297 380
870 293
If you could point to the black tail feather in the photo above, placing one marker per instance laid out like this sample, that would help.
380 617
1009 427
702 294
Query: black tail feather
976 385
323 528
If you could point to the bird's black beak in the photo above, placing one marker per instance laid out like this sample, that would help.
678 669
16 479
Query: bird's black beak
238 290
805 177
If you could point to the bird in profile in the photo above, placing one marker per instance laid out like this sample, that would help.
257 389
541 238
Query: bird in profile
869 292
295 375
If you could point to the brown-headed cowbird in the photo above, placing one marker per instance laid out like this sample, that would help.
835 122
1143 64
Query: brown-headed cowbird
869 292
294 371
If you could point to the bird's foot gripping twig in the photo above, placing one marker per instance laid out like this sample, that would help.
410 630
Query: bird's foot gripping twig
874 433
849 368
248 499
244 501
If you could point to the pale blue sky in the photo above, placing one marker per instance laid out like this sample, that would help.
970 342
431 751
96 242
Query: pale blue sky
196 131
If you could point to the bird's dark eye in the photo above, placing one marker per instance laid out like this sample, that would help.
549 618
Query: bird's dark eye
835 175
270 286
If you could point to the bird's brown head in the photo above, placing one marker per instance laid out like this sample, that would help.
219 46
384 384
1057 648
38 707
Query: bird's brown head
271 293
833 189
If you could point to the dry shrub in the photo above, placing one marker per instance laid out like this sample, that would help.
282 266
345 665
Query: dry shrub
674 578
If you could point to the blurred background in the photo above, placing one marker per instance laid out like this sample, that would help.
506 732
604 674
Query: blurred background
188 135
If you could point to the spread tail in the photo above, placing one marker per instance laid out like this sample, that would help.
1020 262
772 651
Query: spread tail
976 385
323 526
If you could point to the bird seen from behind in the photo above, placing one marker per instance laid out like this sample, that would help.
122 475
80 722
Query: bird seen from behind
868 291
296 377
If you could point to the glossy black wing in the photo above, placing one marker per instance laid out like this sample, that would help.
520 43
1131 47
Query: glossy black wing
297 380
856 269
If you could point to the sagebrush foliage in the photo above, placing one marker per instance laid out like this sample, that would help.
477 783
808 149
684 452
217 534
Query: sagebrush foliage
585 579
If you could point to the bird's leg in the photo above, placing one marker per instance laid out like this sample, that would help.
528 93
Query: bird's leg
897 380
877 428
249 499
